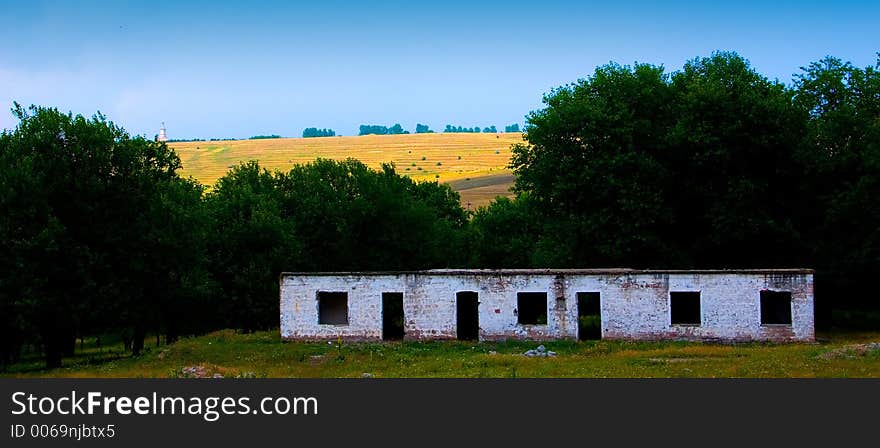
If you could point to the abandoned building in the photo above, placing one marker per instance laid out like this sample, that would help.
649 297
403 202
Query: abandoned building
714 305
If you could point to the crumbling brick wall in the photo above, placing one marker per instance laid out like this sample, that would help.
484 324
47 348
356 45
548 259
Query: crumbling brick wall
634 304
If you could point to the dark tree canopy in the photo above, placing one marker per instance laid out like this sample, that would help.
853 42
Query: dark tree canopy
591 167
503 234
315 132
381 130
453 129
89 240
841 153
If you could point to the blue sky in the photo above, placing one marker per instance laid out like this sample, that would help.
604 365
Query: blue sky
237 69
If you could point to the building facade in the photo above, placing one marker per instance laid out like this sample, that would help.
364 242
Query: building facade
715 305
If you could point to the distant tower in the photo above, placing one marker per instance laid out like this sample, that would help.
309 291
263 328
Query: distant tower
162 137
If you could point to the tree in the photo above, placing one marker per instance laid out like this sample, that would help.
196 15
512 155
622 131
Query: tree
635 167
732 146
77 198
253 241
349 217
372 129
381 130
512 128
460 129
177 267
503 234
841 151
315 132
423 129
591 168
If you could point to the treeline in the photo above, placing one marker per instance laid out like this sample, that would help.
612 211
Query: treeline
375 129
315 132
183 140
451 128
264 137
425 129
476 129
713 166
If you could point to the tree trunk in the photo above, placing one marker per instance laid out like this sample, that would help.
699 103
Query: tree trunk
69 344
137 342
55 341
171 333
126 341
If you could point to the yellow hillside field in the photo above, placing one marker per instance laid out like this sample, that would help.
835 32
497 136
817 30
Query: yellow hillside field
441 156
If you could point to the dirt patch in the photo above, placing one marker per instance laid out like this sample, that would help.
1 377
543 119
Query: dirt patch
678 360
852 351
199 371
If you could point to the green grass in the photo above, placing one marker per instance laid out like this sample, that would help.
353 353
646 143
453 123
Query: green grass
264 355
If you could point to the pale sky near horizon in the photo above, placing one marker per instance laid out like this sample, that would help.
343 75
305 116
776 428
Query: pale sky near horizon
216 69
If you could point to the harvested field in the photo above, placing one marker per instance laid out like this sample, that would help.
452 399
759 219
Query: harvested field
442 157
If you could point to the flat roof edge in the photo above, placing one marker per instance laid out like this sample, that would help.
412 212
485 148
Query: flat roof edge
792 271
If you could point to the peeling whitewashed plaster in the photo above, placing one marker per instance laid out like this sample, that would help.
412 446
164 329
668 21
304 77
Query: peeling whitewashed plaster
634 304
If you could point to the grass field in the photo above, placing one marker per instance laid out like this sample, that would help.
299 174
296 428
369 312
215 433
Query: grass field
443 157
229 354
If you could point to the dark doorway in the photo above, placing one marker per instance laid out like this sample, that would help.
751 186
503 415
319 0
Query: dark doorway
392 316
467 318
589 316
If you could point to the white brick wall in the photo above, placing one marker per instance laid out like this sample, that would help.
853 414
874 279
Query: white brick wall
634 304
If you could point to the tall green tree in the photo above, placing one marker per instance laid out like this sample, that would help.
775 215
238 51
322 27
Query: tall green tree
503 234
350 217
76 197
841 150
732 147
181 283
592 168
253 241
